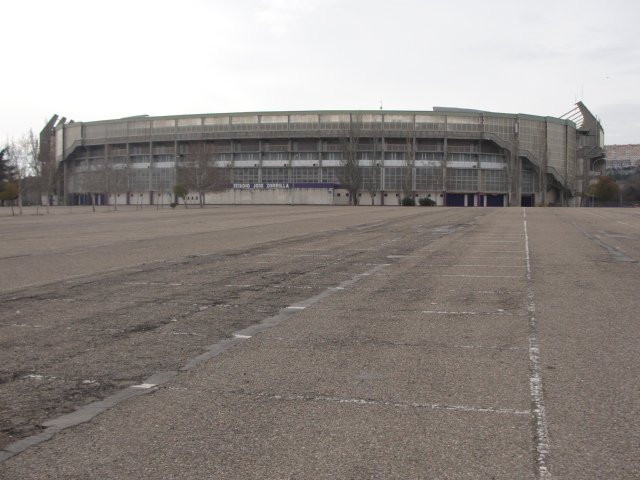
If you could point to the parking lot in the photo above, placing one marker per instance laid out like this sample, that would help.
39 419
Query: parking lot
320 342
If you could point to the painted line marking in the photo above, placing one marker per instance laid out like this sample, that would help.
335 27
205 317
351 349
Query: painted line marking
483 347
296 307
491 243
498 251
541 433
88 412
22 325
499 312
477 276
299 287
612 250
609 218
295 255
244 337
501 292
416 405
483 257
485 266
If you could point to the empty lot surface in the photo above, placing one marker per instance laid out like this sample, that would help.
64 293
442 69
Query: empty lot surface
316 342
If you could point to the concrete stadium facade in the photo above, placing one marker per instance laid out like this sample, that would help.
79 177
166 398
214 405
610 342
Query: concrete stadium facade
456 157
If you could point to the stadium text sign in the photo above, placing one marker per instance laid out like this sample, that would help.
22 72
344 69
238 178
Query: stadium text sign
259 186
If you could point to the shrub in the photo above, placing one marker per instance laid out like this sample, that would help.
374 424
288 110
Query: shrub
427 202
173 204
408 202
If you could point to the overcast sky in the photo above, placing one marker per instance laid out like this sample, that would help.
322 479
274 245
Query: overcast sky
98 60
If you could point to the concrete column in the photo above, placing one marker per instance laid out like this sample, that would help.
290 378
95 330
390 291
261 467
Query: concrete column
543 168
515 162
65 201
107 168
514 168
128 170
479 186
413 168
518 184
445 155
382 174
175 166
288 166
567 185
150 172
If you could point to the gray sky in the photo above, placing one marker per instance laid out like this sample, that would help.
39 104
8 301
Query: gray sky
98 60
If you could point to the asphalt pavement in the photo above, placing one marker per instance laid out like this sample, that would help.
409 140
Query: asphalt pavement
300 342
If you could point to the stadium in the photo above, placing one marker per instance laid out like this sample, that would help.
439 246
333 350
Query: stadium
455 157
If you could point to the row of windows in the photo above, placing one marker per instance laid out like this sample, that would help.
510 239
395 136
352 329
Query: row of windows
119 180
395 178
498 125
285 157
365 144
466 180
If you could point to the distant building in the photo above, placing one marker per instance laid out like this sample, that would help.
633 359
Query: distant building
622 157
456 157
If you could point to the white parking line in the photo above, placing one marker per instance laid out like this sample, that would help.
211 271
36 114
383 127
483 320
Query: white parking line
499 312
485 347
477 276
486 266
609 218
541 436
427 406
492 242
501 292
483 257
144 385
498 251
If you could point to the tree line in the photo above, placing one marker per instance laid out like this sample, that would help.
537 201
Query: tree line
24 177
354 177
607 191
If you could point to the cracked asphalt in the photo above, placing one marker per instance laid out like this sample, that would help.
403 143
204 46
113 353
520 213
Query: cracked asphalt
343 343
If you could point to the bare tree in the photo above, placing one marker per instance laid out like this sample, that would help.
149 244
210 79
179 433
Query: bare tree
372 179
30 146
8 188
95 179
116 178
408 169
18 158
47 160
350 173
47 182
197 173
